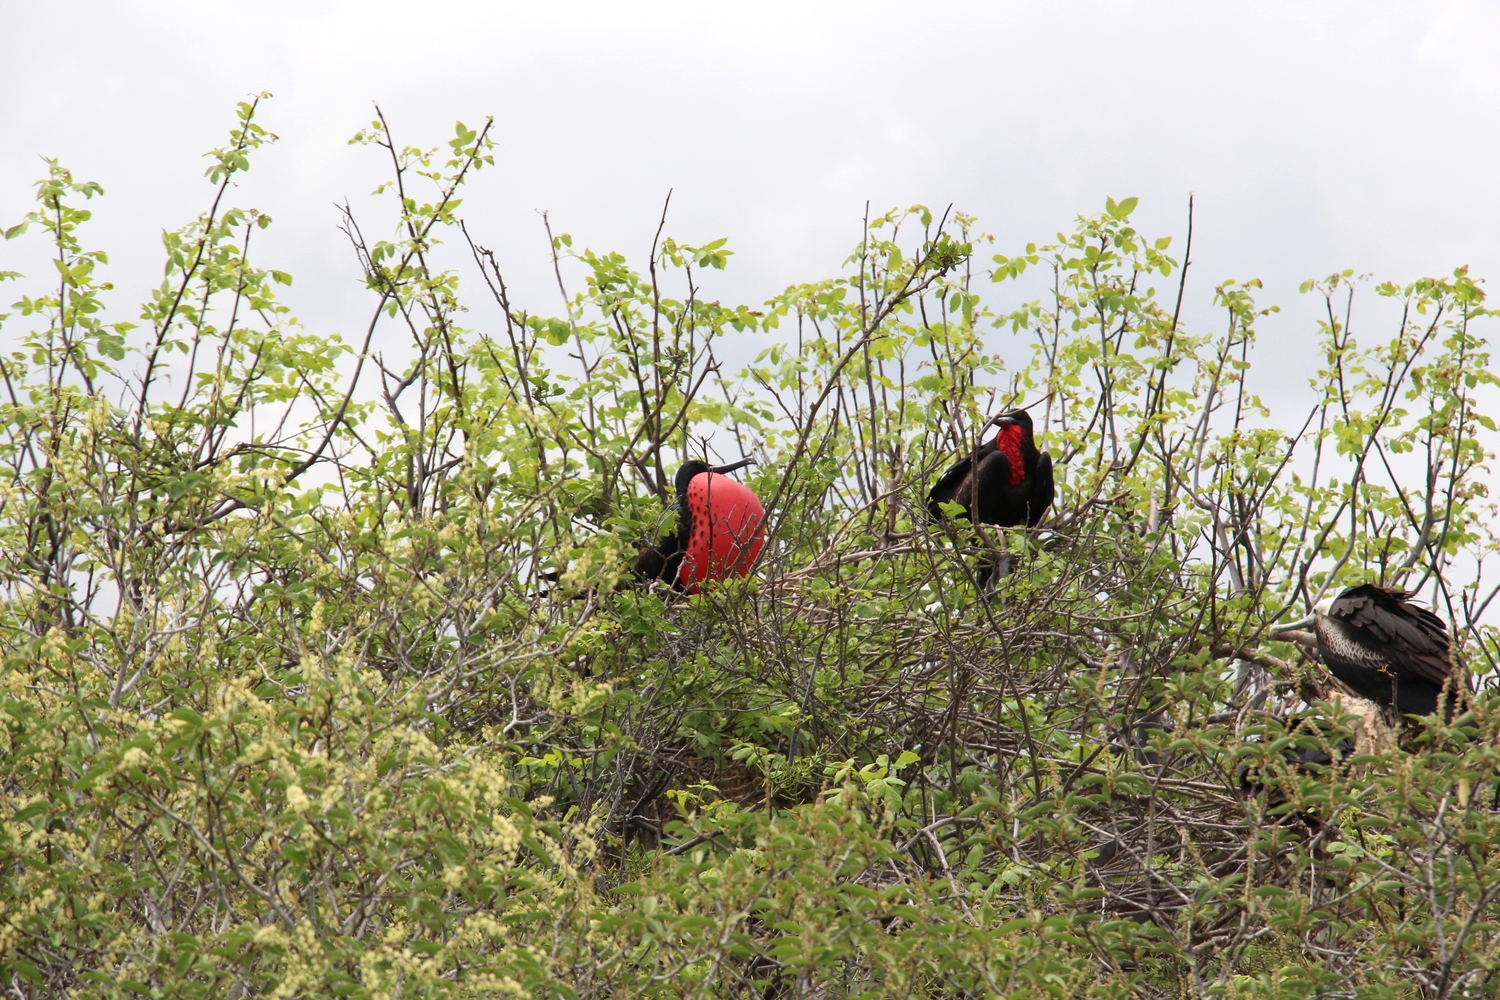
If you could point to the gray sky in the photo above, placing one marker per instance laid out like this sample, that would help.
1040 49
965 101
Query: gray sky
1316 136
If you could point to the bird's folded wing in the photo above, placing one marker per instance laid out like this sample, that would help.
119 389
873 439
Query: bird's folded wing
1413 639
1420 652
947 487
1042 489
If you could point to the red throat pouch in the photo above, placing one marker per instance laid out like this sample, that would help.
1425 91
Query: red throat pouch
728 530
1008 440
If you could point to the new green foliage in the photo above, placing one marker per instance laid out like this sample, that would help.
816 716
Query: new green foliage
322 673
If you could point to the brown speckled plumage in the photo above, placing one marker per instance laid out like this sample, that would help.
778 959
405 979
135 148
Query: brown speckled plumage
1385 648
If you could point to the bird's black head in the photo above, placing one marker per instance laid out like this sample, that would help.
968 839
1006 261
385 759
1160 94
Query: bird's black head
1015 418
691 469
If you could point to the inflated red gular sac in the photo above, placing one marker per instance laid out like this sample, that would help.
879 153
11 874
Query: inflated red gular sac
720 529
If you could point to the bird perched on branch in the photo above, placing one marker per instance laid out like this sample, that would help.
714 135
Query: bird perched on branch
720 529
1381 645
1007 481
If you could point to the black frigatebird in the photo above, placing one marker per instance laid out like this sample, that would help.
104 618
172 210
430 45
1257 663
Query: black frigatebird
720 529
1313 751
1381 645
1007 481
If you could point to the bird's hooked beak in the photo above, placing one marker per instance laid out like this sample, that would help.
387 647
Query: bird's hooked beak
721 469
1298 631
1300 623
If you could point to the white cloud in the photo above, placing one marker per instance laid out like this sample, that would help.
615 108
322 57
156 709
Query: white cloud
1316 136
1461 39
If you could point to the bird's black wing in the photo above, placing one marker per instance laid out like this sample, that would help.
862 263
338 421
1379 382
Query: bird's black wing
997 501
651 560
1413 639
1420 641
1042 490
660 561
952 487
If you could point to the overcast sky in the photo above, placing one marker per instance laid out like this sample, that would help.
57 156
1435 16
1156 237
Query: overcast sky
1315 136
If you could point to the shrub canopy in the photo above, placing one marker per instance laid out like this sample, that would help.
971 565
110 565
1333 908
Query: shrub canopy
322 673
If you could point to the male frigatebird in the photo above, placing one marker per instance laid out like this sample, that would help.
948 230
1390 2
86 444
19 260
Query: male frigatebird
1006 481
720 529
1380 644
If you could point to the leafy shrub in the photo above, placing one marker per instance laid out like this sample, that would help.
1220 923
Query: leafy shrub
323 677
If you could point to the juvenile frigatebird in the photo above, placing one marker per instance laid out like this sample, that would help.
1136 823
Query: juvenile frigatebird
720 529
1007 482
1380 644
